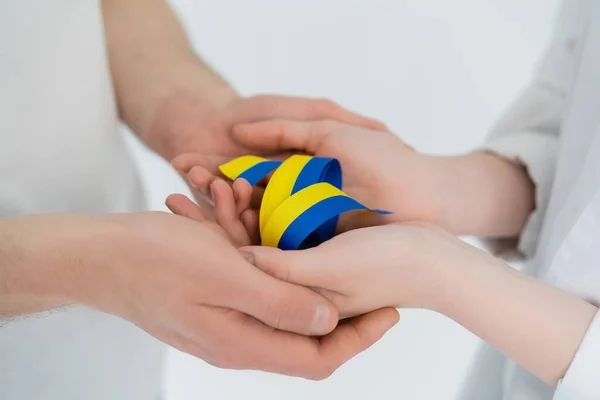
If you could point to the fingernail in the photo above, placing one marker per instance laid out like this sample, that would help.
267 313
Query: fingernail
248 256
321 320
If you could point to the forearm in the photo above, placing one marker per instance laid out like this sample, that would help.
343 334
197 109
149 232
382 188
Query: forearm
538 326
34 272
482 194
153 64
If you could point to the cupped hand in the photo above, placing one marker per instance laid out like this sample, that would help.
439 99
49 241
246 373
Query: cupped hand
205 138
183 282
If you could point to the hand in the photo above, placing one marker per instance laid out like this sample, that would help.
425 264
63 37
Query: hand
205 139
367 269
477 194
379 170
533 323
184 283
241 231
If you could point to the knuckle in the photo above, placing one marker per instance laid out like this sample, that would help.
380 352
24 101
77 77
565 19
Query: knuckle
325 127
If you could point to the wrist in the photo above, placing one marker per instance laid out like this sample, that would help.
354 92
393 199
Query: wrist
482 194
175 105
453 270
185 116
427 275
151 62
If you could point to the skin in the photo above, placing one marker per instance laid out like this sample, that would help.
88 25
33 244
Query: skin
403 263
383 172
179 106
162 273
537 325
158 270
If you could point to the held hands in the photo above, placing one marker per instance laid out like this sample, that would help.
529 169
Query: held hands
379 170
183 282
475 194
400 266
202 134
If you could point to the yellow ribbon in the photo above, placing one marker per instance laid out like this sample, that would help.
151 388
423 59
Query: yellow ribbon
302 199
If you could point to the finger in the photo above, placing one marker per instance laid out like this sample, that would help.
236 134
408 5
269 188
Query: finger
282 135
281 305
290 354
179 204
183 163
225 212
312 267
205 203
250 220
264 107
201 178
355 336
242 192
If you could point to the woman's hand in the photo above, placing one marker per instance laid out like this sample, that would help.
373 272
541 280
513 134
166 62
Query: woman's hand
478 193
371 268
379 170
537 325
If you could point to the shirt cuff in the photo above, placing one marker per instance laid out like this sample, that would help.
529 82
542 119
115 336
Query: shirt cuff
581 380
537 152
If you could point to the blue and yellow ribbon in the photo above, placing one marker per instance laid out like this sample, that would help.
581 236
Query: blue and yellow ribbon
302 200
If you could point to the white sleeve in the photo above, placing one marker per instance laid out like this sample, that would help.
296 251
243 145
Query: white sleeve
529 131
582 380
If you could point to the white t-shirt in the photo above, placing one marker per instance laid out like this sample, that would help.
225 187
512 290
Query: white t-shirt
61 152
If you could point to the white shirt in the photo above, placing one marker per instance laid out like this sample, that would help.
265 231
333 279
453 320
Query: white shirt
554 130
61 152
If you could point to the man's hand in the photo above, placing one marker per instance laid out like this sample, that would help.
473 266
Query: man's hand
206 139
176 103
183 282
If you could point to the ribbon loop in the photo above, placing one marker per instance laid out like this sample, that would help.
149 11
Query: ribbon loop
302 200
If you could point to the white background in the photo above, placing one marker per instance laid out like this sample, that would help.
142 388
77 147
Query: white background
437 72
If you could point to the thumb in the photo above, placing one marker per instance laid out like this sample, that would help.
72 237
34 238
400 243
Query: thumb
283 305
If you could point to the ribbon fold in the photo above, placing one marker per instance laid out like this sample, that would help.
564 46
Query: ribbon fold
302 200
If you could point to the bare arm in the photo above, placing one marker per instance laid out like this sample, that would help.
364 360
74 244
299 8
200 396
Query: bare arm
416 266
153 64
30 281
145 268
537 325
